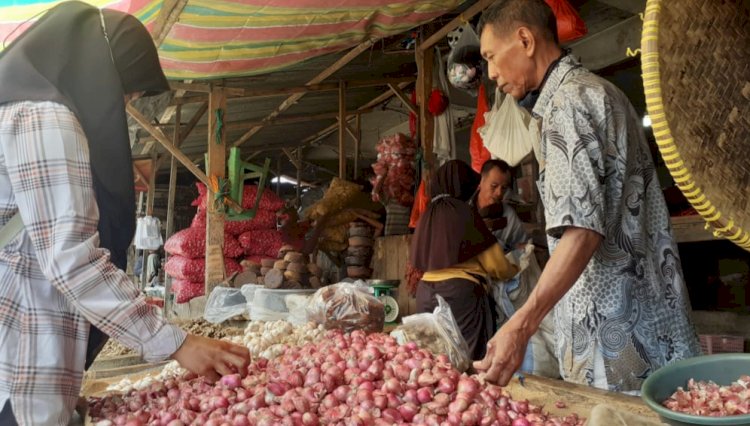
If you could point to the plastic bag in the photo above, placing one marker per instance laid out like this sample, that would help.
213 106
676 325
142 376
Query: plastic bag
148 233
248 290
420 205
273 304
347 306
437 332
224 303
510 295
465 61
477 150
510 133
570 26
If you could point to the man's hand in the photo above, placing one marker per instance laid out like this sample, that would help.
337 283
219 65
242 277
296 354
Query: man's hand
212 358
505 352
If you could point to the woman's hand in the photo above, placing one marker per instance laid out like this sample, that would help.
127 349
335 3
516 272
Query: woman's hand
212 358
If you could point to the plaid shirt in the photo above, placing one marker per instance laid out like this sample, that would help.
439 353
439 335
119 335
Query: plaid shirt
54 278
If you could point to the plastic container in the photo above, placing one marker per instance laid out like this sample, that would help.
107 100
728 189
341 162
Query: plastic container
271 305
721 344
722 369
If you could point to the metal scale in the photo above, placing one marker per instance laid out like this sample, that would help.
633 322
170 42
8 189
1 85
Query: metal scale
382 290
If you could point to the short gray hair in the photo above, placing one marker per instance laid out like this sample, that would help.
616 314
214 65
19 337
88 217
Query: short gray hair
532 13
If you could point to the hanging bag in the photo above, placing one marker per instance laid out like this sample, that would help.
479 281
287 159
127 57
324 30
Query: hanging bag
510 133
477 150
570 26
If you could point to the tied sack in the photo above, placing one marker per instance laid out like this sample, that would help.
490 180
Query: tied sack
510 132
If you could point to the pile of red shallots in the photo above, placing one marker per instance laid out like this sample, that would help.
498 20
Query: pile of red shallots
711 400
346 379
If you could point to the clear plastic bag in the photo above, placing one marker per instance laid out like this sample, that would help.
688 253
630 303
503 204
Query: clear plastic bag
273 304
148 233
347 306
248 290
224 303
510 132
437 332
465 61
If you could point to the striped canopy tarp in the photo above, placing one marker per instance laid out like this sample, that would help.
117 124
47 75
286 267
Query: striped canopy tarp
232 38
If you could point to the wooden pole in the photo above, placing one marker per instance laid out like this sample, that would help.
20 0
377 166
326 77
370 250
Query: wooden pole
404 99
278 175
217 166
170 208
151 187
357 142
298 199
425 62
342 130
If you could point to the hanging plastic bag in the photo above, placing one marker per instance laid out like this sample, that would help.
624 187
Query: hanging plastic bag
510 133
479 154
437 332
465 61
224 303
444 143
148 233
570 26
347 306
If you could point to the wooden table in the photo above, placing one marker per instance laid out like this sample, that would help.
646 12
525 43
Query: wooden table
538 390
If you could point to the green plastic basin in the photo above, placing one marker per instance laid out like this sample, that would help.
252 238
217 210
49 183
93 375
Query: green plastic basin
722 369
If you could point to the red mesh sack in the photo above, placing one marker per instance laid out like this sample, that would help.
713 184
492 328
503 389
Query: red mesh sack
268 201
420 205
182 268
479 154
186 269
199 220
570 26
191 243
264 219
262 242
185 290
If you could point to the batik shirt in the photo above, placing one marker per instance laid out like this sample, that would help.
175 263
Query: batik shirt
54 279
628 313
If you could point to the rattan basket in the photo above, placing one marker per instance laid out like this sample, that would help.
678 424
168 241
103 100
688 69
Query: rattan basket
696 75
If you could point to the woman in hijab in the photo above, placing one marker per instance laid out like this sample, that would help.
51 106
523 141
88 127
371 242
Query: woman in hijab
66 173
457 252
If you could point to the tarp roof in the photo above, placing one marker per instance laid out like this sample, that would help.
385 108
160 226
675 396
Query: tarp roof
229 38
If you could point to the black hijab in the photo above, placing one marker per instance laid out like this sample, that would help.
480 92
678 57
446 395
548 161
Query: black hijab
65 57
450 231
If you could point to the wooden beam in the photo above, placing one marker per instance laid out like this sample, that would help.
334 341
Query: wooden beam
332 128
357 142
350 130
404 99
298 164
151 188
342 126
632 6
184 100
291 100
190 87
139 174
217 166
168 15
170 206
291 156
425 62
186 131
455 23
166 143
610 46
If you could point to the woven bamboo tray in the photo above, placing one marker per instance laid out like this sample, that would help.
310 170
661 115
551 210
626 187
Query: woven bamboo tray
696 76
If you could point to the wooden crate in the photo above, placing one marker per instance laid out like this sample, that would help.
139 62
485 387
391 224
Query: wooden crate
389 263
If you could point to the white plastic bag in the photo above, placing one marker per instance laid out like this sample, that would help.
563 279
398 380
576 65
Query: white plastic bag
465 61
510 295
510 132
273 304
148 233
224 303
248 290
437 332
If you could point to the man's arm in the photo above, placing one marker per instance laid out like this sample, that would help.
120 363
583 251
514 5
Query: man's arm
506 349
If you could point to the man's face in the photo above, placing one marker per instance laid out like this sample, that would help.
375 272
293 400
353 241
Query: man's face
493 186
508 59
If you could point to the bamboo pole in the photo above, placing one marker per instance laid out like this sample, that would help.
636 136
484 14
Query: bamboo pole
170 209
298 197
357 142
342 127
